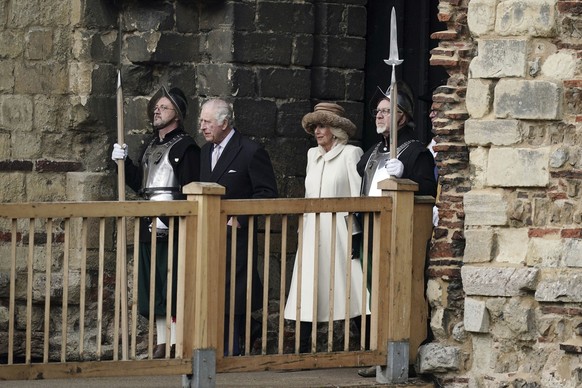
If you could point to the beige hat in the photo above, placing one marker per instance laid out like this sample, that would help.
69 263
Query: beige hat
328 113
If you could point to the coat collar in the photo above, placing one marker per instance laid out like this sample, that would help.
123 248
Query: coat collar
331 154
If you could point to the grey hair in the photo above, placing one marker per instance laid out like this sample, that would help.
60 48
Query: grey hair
223 110
340 135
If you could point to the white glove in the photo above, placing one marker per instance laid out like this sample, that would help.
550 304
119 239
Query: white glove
435 216
119 152
394 167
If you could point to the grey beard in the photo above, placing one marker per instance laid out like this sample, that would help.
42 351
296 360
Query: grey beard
381 130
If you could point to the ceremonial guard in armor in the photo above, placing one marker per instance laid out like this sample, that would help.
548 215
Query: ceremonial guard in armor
170 160
413 160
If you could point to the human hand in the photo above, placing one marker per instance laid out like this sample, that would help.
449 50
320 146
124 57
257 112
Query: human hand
394 167
119 152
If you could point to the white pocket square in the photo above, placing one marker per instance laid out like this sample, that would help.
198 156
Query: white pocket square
231 171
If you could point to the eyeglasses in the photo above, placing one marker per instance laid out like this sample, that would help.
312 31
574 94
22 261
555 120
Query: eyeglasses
162 108
384 112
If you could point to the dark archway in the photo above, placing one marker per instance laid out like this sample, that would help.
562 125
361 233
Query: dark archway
416 20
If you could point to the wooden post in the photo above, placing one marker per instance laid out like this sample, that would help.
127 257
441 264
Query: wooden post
399 293
199 274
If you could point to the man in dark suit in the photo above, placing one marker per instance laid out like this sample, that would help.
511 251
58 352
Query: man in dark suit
244 168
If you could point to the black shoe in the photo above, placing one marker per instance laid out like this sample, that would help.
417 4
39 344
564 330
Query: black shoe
368 372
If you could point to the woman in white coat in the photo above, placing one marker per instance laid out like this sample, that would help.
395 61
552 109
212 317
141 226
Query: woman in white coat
331 172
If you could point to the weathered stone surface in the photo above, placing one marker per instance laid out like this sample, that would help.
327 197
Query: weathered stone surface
524 99
478 162
481 16
479 97
511 245
500 58
518 167
493 132
561 65
498 281
573 253
263 48
560 286
296 79
285 17
525 18
16 113
438 358
476 316
544 252
478 245
485 207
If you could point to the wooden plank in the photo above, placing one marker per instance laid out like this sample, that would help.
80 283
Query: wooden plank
88 369
304 205
301 361
97 209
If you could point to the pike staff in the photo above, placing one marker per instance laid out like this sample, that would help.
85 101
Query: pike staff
393 61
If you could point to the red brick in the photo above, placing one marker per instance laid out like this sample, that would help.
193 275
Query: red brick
541 232
571 233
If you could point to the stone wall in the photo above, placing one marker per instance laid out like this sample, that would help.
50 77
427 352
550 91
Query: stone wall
506 258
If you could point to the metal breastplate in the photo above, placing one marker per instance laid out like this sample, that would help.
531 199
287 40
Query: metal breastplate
159 182
378 160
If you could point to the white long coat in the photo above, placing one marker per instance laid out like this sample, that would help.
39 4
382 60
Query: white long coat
331 174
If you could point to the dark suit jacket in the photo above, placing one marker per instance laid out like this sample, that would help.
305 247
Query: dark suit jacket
245 170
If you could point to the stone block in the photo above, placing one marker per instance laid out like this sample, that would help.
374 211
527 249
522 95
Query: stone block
485 207
40 77
518 167
212 17
256 117
573 253
224 80
99 14
140 48
16 113
157 16
355 86
39 44
560 286
476 316
525 99
137 80
13 187
478 245
289 119
356 20
80 74
187 17
7 39
328 84
478 163
174 48
526 18
302 50
6 76
285 17
481 16
481 353
103 47
561 65
262 48
479 97
498 281
329 19
47 187
500 58
342 52
435 357
4 146
544 252
298 83
493 132
512 245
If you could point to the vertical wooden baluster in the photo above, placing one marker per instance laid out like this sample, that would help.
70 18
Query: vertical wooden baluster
47 292
152 285
365 258
65 289
134 293
299 280
29 267
250 271
267 260
100 285
283 284
169 278
330 291
11 309
315 283
83 286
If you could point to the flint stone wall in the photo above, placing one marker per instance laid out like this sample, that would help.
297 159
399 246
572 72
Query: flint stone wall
510 233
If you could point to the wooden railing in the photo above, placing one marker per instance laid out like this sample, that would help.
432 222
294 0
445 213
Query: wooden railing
72 244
